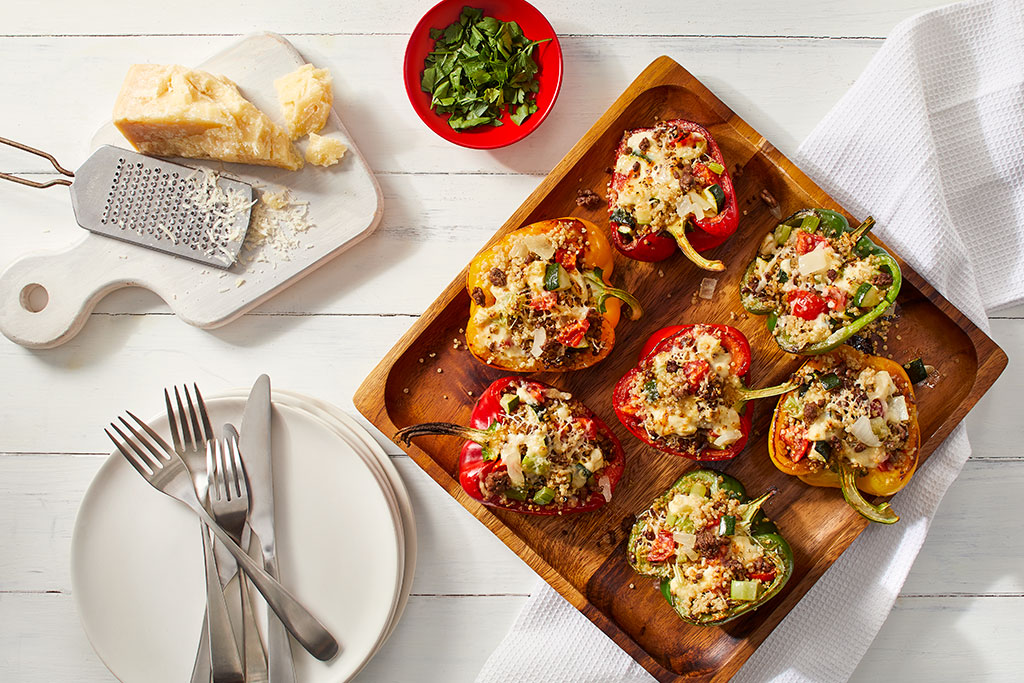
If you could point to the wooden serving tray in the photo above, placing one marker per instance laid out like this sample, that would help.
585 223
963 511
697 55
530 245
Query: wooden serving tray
426 378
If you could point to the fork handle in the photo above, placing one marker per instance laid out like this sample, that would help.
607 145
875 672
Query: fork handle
306 629
225 663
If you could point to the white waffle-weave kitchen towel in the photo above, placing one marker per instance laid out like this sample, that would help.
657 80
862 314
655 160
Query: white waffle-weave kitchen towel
929 141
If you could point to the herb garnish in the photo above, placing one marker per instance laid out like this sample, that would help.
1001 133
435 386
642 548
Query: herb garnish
478 67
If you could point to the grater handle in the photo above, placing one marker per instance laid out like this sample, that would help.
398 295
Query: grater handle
41 153
46 298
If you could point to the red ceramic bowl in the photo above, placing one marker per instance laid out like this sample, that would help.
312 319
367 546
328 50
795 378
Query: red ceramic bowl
548 56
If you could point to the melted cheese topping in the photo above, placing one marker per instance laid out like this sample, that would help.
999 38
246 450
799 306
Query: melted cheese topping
655 183
527 321
866 416
688 391
703 562
546 441
831 271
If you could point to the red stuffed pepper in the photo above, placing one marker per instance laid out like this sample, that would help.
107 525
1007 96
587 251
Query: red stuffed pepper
688 394
532 448
670 189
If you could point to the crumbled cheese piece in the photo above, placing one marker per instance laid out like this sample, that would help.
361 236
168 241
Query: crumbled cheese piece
306 99
276 200
707 288
813 262
324 151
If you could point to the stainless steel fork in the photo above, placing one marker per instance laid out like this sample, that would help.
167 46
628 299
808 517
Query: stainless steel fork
229 504
153 458
217 655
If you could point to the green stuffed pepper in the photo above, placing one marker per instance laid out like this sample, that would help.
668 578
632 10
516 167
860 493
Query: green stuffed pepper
717 555
819 281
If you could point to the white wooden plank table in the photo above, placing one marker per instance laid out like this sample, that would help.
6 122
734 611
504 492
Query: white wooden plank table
779 65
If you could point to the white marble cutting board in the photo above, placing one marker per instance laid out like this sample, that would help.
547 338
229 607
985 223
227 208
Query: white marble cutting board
344 207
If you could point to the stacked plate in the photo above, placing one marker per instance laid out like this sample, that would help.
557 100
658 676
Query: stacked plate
346 544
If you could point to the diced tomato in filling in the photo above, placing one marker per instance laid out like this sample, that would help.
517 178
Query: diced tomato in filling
704 174
573 334
536 392
798 445
805 304
763 576
664 547
544 301
589 427
836 299
806 242
567 258
696 371
885 465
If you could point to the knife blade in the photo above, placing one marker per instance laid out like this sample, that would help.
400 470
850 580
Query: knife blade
255 443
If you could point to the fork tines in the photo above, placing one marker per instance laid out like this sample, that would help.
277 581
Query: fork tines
194 428
224 467
147 456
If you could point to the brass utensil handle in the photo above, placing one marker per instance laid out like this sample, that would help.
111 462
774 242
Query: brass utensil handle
38 152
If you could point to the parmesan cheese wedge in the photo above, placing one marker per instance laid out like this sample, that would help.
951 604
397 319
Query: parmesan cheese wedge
306 99
170 110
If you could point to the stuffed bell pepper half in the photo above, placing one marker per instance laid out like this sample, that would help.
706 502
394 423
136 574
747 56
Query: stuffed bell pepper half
819 281
542 300
532 448
670 189
852 424
687 396
717 555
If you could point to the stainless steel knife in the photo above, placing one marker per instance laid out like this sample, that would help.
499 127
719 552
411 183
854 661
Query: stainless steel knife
255 443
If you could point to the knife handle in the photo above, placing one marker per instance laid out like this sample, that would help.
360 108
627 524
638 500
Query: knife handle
280 666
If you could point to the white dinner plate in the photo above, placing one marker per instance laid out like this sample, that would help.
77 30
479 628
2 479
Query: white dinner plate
136 557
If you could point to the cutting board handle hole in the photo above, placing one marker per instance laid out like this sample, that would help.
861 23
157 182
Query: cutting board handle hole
34 298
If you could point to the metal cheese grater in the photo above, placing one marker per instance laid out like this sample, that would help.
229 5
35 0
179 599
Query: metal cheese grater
155 204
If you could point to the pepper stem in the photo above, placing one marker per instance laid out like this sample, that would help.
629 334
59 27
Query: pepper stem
406 434
765 392
753 506
883 514
595 278
863 229
678 230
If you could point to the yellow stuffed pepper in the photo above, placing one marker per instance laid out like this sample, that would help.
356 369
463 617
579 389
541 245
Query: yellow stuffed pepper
542 299
850 424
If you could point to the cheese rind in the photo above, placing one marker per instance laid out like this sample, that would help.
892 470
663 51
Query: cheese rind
324 151
306 99
170 110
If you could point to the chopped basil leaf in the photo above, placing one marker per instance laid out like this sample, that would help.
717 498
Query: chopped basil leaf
479 67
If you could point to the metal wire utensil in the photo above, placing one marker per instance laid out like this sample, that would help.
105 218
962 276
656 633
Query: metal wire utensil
154 203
